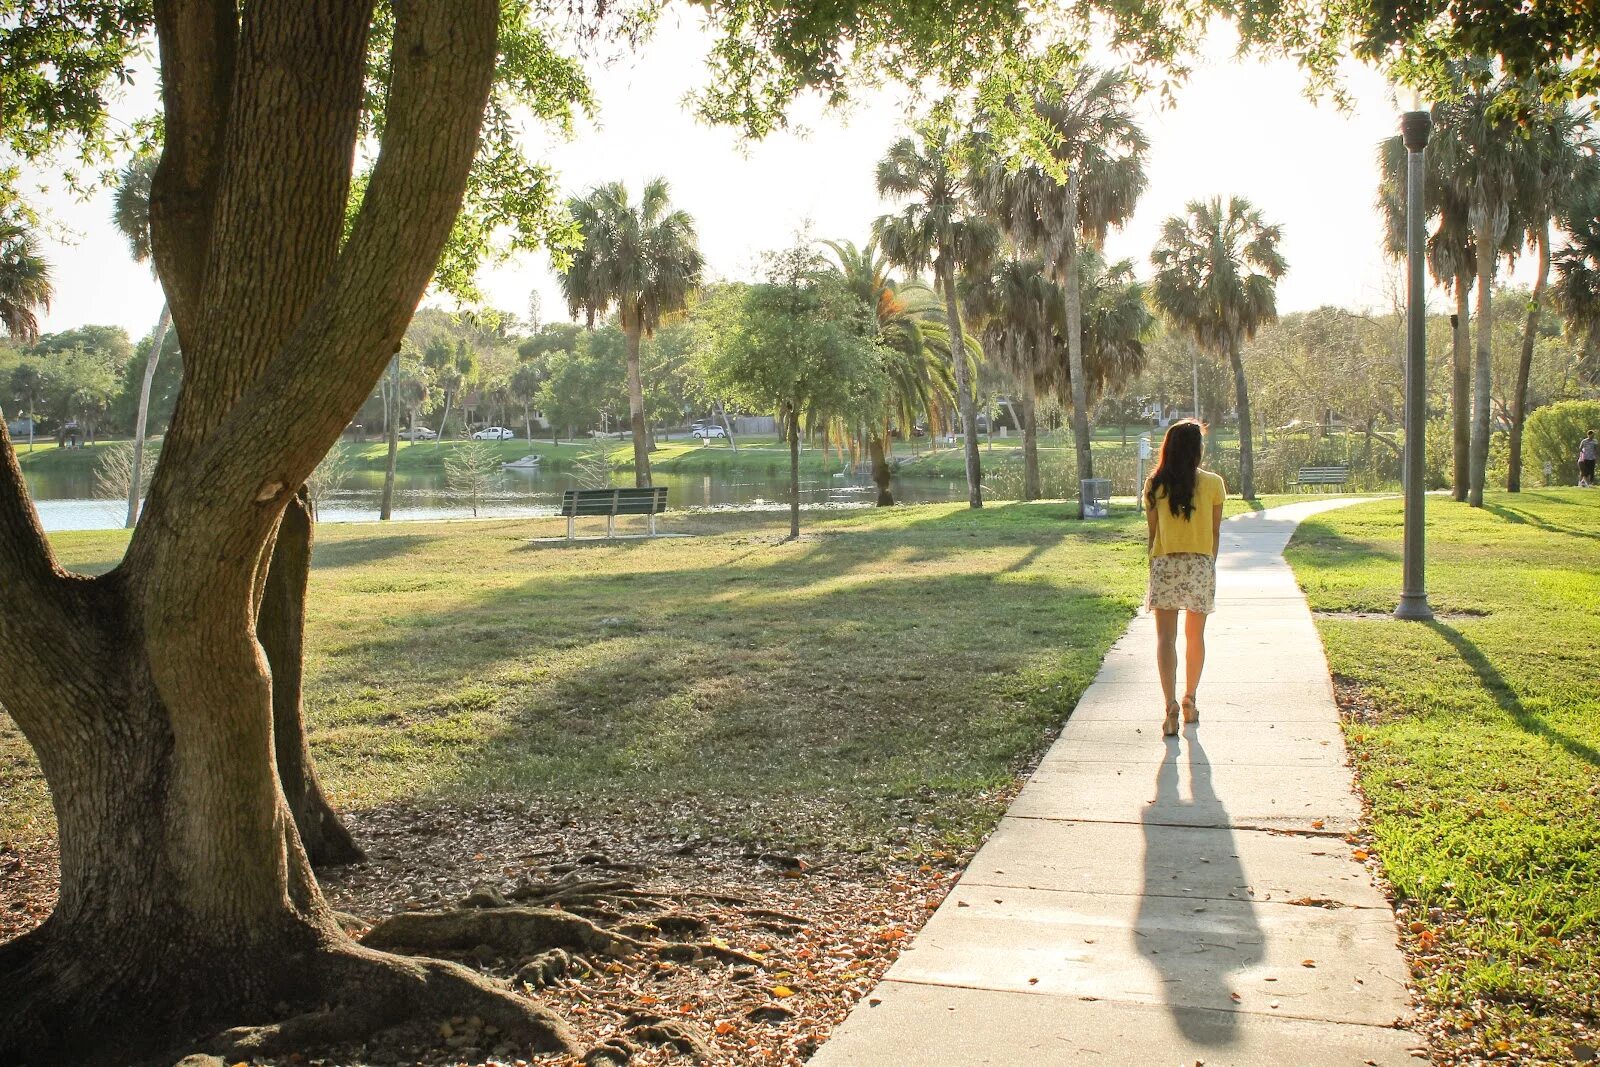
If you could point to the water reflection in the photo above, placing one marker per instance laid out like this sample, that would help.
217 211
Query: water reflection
65 501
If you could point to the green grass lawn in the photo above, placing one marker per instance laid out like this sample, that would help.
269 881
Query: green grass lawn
1479 750
878 683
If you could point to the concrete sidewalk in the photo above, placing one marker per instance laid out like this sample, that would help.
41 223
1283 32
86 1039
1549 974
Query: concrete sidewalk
1178 901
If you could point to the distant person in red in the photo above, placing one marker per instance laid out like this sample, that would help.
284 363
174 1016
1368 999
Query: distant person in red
1183 504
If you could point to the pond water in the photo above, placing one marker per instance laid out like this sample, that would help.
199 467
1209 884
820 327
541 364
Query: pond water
66 502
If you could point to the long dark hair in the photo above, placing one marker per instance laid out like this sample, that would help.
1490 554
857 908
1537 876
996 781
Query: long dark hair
1175 471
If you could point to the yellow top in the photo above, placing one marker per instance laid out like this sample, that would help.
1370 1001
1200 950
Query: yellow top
1175 534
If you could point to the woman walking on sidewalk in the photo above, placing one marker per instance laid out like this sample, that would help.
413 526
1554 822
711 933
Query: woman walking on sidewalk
1183 505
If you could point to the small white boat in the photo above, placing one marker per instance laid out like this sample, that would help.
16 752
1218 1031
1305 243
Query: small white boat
528 462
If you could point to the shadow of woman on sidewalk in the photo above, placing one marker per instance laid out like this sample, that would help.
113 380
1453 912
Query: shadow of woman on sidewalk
1190 928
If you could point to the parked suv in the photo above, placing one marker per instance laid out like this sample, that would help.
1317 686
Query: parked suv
708 430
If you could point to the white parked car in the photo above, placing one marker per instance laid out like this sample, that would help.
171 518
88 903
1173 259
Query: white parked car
493 433
417 433
709 431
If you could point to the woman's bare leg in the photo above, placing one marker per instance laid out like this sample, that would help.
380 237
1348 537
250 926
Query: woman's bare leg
1194 651
1167 652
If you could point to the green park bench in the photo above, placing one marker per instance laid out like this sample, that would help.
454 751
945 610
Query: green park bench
581 503
1323 476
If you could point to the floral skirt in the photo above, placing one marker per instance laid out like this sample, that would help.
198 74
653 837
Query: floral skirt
1184 580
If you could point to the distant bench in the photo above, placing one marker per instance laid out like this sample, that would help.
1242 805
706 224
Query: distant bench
580 503
1322 476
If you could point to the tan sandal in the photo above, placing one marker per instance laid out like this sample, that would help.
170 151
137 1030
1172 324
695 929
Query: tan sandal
1169 725
1191 710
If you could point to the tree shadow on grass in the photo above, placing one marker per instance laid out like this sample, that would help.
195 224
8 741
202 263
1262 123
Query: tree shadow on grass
1506 697
356 551
1334 548
824 671
1528 518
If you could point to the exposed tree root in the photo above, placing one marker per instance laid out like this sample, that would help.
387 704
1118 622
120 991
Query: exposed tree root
515 931
369 992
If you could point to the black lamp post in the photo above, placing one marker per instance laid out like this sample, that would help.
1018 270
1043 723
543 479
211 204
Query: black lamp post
1415 126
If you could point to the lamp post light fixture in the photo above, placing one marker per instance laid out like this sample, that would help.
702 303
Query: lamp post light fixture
1415 126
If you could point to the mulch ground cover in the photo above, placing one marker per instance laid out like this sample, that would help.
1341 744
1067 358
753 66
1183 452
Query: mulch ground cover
767 951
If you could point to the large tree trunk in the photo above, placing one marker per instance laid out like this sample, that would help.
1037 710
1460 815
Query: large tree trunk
1519 400
386 511
794 472
186 901
1032 489
1461 388
1482 371
1067 278
135 483
1241 388
641 436
280 627
958 354
878 450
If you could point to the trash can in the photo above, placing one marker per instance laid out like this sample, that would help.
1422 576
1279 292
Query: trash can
1096 496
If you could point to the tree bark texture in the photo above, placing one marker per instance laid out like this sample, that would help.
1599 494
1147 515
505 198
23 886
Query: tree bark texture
1461 389
280 627
1032 489
1519 400
187 902
1067 278
386 511
1247 472
1482 369
878 445
794 472
641 434
134 483
964 401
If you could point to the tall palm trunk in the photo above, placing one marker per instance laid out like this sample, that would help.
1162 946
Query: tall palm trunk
878 450
1461 388
386 511
1031 488
1519 402
444 420
794 471
634 332
1482 371
1068 280
958 353
1247 467
163 324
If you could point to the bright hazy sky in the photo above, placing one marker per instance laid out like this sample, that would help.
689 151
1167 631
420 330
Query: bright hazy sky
1238 127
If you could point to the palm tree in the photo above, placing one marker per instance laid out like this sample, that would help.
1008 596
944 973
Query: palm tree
1101 147
1452 259
1014 308
1489 158
130 211
25 286
1559 169
455 368
938 228
644 259
1217 270
1577 270
916 346
1116 322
